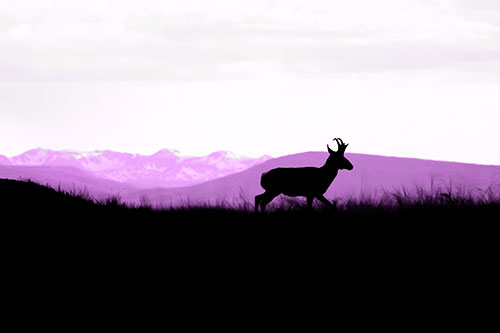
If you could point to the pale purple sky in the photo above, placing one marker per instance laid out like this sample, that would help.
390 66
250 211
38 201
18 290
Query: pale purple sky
418 78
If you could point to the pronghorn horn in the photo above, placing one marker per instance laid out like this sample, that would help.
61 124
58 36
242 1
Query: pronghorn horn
338 143
341 145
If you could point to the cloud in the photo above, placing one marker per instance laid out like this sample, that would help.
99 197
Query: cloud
151 40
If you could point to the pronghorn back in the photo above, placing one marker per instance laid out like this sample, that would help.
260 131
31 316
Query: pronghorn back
310 182
295 181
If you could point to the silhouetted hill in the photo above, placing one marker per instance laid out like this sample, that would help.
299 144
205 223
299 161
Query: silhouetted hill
25 200
69 179
64 242
71 226
31 199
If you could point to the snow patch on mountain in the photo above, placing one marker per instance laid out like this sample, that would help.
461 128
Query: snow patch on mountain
165 168
4 160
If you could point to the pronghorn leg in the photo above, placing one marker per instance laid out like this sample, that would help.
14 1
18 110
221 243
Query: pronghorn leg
309 202
258 199
264 199
324 200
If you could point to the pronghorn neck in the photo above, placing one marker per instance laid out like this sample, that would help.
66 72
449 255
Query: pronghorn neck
329 171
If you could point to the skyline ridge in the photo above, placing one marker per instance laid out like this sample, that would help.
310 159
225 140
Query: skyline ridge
232 154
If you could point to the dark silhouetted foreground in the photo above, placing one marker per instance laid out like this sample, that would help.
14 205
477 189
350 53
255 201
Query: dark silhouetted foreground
430 240
28 201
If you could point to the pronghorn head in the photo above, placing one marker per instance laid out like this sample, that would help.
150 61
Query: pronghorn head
336 159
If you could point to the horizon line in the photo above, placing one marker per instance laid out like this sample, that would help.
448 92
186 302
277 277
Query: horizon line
179 154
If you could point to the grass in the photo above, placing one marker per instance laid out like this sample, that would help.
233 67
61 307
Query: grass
32 200
388 238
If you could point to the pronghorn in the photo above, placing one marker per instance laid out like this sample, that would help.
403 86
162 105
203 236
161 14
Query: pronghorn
309 182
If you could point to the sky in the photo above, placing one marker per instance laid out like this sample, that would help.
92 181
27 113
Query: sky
409 78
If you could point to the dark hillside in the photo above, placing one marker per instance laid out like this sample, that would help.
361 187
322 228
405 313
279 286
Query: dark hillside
25 199
28 200
356 240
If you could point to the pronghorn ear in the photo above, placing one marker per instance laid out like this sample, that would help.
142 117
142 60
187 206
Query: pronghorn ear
329 150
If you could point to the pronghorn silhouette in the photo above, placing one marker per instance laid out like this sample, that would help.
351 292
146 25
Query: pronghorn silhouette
309 182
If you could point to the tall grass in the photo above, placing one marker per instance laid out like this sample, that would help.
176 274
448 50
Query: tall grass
442 202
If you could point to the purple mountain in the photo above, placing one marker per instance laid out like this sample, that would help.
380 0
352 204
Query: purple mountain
372 175
4 160
161 178
166 168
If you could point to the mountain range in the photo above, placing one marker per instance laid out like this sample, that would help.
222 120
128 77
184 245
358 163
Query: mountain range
166 168
168 178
